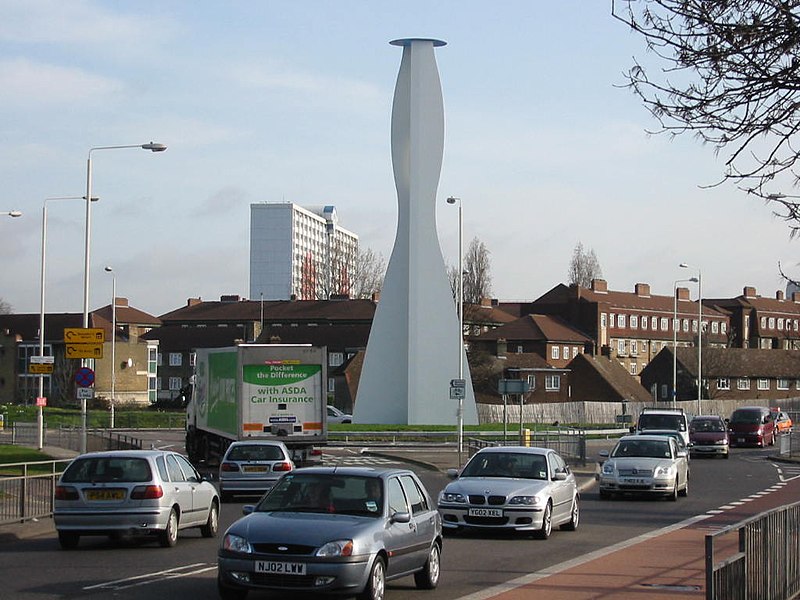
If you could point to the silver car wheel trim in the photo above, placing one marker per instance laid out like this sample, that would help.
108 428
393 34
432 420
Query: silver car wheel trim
434 564
378 581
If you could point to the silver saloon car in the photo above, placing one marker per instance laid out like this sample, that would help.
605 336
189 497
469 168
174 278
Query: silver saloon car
133 492
252 468
512 487
333 530
645 464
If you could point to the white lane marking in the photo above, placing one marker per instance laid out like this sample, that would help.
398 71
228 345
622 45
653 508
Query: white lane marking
148 578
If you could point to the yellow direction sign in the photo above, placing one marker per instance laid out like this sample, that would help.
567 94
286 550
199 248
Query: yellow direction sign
81 335
40 369
84 350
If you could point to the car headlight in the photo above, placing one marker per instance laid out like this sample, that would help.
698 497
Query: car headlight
721 442
452 497
608 468
665 471
336 548
234 543
524 500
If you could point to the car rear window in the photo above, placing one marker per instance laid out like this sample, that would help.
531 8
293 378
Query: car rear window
674 422
255 452
747 417
100 469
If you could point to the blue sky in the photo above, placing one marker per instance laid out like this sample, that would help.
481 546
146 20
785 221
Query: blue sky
291 101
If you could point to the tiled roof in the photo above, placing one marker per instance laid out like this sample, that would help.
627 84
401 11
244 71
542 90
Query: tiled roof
273 310
128 315
588 369
741 362
176 338
536 328
349 336
27 324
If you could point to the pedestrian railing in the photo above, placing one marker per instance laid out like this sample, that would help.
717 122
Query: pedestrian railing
27 490
568 442
761 563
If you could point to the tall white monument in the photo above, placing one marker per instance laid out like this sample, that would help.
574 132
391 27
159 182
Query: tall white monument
414 345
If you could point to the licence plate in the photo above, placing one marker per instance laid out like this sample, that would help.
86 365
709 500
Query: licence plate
284 568
253 469
485 512
113 494
740 441
633 481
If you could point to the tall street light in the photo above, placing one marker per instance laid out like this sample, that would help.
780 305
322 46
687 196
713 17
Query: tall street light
13 213
675 336
460 414
699 334
153 147
39 415
113 340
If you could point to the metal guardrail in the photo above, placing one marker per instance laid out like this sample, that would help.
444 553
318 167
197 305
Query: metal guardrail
569 443
29 494
765 564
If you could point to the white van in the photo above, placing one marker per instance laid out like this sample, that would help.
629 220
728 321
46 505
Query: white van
673 419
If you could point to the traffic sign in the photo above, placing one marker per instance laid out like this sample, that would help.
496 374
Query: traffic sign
457 393
460 383
42 360
84 377
81 335
85 393
41 401
40 369
84 350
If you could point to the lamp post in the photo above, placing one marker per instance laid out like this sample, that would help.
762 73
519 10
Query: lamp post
460 414
153 147
699 334
39 415
675 336
113 340
13 213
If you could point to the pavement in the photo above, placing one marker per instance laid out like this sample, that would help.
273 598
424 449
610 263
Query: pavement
662 564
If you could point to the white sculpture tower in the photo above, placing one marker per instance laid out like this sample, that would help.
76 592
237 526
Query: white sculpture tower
411 354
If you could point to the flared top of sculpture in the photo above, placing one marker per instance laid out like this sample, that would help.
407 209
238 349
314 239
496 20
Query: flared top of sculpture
407 42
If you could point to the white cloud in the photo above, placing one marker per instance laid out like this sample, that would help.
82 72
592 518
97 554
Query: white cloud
28 83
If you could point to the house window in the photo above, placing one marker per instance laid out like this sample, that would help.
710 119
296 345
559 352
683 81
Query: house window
331 385
575 351
633 368
565 351
552 383
664 324
634 322
664 391
723 383
763 322
686 325
694 325
175 360
159 359
634 347
335 359
621 321
613 317
795 324
554 352
175 383
603 320
714 326
723 327
519 349
772 322
780 324
644 347
644 322
743 383
763 384
620 346
783 384
531 382
158 382
192 359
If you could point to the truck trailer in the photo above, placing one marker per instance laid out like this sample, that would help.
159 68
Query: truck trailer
258 392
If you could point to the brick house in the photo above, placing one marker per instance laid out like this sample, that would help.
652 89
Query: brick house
761 322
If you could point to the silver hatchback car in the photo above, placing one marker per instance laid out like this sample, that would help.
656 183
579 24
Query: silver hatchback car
252 467
133 492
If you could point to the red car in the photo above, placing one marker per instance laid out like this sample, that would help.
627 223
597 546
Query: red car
751 426
708 436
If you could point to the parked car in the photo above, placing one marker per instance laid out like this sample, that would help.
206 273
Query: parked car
751 426
511 487
783 422
252 468
336 530
645 464
708 436
140 492
337 416
674 419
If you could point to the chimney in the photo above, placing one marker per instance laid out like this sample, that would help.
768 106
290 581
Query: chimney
683 293
486 302
121 302
779 295
376 296
194 301
749 292
599 285
605 351
229 298
643 290
796 297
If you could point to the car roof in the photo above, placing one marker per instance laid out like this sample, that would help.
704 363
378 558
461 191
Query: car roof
353 471
515 449
257 443
643 436
126 454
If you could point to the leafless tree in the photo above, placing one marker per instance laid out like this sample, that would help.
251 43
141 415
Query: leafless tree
477 272
584 267
5 307
368 274
728 72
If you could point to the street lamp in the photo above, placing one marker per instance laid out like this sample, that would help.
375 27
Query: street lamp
153 147
13 213
699 334
39 416
675 336
113 339
460 414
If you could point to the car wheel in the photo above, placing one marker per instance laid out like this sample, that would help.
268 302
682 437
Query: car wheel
673 495
376 582
772 439
428 578
68 540
547 522
572 524
229 593
169 537
212 524
685 491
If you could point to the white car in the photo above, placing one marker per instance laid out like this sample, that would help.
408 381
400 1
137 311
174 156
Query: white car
511 487
645 464
337 416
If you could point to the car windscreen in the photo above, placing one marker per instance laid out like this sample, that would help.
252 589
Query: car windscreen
642 449
106 469
507 464
674 422
746 417
325 493
246 452
708 425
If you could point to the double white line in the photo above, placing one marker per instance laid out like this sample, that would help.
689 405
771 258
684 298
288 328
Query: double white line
148 578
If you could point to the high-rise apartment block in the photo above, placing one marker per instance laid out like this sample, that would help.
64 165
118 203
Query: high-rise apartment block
299 253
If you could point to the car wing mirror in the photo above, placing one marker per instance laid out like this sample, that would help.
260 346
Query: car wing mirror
560 476
401 517
682 453
452 473
248 508
603 453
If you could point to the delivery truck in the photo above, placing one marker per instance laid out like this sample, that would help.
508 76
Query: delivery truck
258 392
